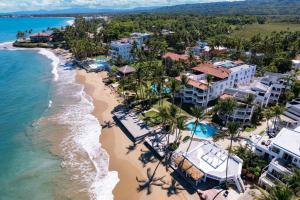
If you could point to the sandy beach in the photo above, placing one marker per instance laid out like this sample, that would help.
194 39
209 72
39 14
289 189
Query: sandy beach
116 143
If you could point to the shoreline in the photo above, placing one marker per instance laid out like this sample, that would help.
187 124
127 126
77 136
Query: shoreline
123 165
116 144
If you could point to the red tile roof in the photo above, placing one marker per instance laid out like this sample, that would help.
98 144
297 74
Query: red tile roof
196 84
175 56
207 68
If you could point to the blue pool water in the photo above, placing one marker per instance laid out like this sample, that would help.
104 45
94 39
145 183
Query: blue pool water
203 130
165 90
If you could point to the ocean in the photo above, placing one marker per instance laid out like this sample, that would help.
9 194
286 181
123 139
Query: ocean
49 140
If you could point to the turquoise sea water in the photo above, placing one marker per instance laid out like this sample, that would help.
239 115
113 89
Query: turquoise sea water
10 26
27 169
203 130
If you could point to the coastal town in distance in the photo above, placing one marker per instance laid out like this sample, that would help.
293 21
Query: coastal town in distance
192 101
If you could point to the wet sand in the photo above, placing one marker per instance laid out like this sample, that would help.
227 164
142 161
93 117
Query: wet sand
116 143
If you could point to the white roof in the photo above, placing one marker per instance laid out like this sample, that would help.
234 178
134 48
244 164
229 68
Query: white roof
211 159
296 61
240 67
288 140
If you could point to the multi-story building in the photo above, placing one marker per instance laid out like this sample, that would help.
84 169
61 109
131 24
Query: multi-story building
243 112
226 74
122 48
283 151
291 116
140 38
268 88
202 48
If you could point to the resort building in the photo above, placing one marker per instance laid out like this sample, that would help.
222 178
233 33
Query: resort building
166 32
202 48
122 48
267 88
40 37
296 64
140 38
206 161
225 74
169 59
243 112
283 151
291 116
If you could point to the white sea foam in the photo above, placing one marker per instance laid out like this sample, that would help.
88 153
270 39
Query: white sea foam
55 61
45 52
82 148
70 22
85 132
50 104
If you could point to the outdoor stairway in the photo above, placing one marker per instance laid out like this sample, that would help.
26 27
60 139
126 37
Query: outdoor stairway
239 184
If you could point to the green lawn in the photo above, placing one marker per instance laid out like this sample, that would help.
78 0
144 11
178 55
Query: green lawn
167 104
250 30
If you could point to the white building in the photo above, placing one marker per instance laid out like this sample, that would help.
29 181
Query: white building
122 48
206 160
226 74
296 64
243 112
283 151
267 88
291 116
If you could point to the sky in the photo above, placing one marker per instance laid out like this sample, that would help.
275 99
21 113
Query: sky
31 5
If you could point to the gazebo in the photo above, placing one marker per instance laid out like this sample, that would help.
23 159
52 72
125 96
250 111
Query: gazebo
125 70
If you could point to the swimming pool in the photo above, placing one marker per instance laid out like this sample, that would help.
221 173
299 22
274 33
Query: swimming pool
165 89
203 130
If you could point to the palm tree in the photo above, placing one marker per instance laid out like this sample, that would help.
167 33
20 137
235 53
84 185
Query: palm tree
233 128
289 80
209 79
174 86
226 107
279 192
181 125
277 111
268 114
198 113
184 81
248 100
293 181
163 115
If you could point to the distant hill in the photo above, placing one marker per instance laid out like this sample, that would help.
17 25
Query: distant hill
247 7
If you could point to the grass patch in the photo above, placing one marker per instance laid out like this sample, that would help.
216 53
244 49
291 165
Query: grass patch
151 118
250 30
250 129
261 133
165 103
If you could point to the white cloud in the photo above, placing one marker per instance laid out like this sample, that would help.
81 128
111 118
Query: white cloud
24 5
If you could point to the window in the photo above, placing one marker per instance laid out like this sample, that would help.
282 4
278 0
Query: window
275 150
258 150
